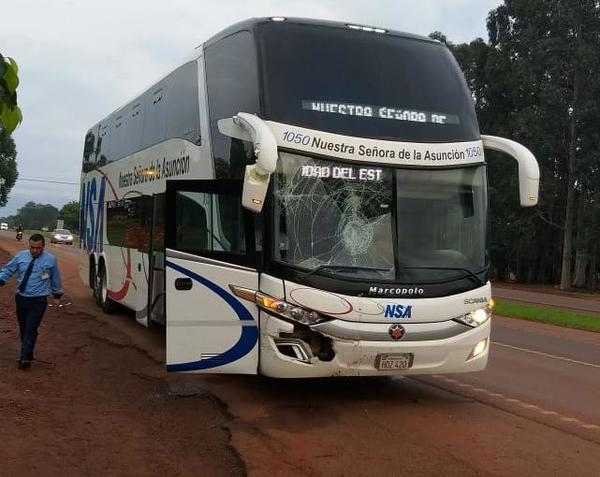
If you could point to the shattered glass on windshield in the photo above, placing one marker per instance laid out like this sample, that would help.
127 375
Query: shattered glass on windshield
334 213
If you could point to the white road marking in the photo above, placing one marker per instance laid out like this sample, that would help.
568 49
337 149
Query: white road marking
590 426
547 355
570 419
529 406
525 405
498 395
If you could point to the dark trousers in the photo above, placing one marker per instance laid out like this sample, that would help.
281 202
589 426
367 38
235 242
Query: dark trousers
30 311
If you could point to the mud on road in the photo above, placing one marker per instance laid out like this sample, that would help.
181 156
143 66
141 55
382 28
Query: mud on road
96 404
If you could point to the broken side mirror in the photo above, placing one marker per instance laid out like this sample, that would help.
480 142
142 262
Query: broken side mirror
249 127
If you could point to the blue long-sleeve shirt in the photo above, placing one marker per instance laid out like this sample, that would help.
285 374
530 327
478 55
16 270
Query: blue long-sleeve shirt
44 278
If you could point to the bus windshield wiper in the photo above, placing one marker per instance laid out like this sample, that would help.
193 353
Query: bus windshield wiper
468 272
345 268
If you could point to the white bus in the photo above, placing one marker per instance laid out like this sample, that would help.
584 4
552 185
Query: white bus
300 199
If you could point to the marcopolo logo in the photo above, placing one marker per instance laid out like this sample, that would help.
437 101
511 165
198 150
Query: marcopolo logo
400 291
394 310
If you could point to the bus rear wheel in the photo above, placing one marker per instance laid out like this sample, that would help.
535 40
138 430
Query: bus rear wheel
101 292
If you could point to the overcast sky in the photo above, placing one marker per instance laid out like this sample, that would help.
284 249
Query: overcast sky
79 60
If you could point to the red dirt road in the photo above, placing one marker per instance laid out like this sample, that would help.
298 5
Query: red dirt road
98 403
95 403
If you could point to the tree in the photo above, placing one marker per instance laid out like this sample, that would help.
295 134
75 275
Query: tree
70 214
535 81
8 165
37 216
550 46
10 117
10 114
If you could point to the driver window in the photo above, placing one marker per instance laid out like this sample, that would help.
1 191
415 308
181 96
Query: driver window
208 223
192 212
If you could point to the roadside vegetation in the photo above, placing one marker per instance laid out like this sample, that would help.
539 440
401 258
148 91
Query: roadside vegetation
548 315
39 216
535 80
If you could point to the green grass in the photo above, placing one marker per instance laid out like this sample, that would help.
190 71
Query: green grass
548 315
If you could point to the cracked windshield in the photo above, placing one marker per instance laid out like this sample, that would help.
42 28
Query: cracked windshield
339 217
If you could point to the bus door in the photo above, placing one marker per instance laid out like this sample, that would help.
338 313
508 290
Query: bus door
156 259
209 248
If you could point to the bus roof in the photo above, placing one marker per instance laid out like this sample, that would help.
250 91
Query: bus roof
252 23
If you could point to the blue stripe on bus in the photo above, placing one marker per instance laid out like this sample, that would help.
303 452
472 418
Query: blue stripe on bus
244 345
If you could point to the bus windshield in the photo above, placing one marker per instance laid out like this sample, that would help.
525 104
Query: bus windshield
379 223
364 84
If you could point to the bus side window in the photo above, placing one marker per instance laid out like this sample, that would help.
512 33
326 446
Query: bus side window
154 117
232 82
192 221
119 138
258 232
128 222
102 153
134 129
209 223
183 111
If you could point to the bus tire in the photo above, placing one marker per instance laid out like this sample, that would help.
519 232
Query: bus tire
101 292
92 278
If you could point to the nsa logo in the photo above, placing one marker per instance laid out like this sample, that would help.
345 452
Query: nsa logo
398 311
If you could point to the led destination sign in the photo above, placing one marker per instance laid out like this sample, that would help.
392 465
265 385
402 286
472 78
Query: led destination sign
338 172
381 112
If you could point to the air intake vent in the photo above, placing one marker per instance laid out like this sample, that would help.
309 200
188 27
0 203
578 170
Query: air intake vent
293 349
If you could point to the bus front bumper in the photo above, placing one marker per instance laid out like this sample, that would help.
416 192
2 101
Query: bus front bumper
360 357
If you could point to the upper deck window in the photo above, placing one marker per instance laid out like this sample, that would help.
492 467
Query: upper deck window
232 86
364 84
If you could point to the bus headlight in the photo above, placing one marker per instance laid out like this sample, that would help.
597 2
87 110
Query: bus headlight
287 310
278 307
476 317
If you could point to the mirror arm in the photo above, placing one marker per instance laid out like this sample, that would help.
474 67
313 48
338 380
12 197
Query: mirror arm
529 171
265 145
249 127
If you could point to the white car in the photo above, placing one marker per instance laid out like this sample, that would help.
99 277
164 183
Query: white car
61 236
3 226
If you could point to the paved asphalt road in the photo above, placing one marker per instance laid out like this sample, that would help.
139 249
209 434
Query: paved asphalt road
547 373
534 411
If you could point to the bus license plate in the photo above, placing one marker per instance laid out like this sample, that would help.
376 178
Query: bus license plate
386 362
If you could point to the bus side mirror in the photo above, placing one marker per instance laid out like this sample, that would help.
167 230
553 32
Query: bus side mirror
529 171
249 127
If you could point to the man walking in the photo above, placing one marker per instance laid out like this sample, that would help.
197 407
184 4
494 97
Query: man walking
37 275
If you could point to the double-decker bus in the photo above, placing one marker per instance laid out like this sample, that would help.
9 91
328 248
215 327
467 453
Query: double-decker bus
300 199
